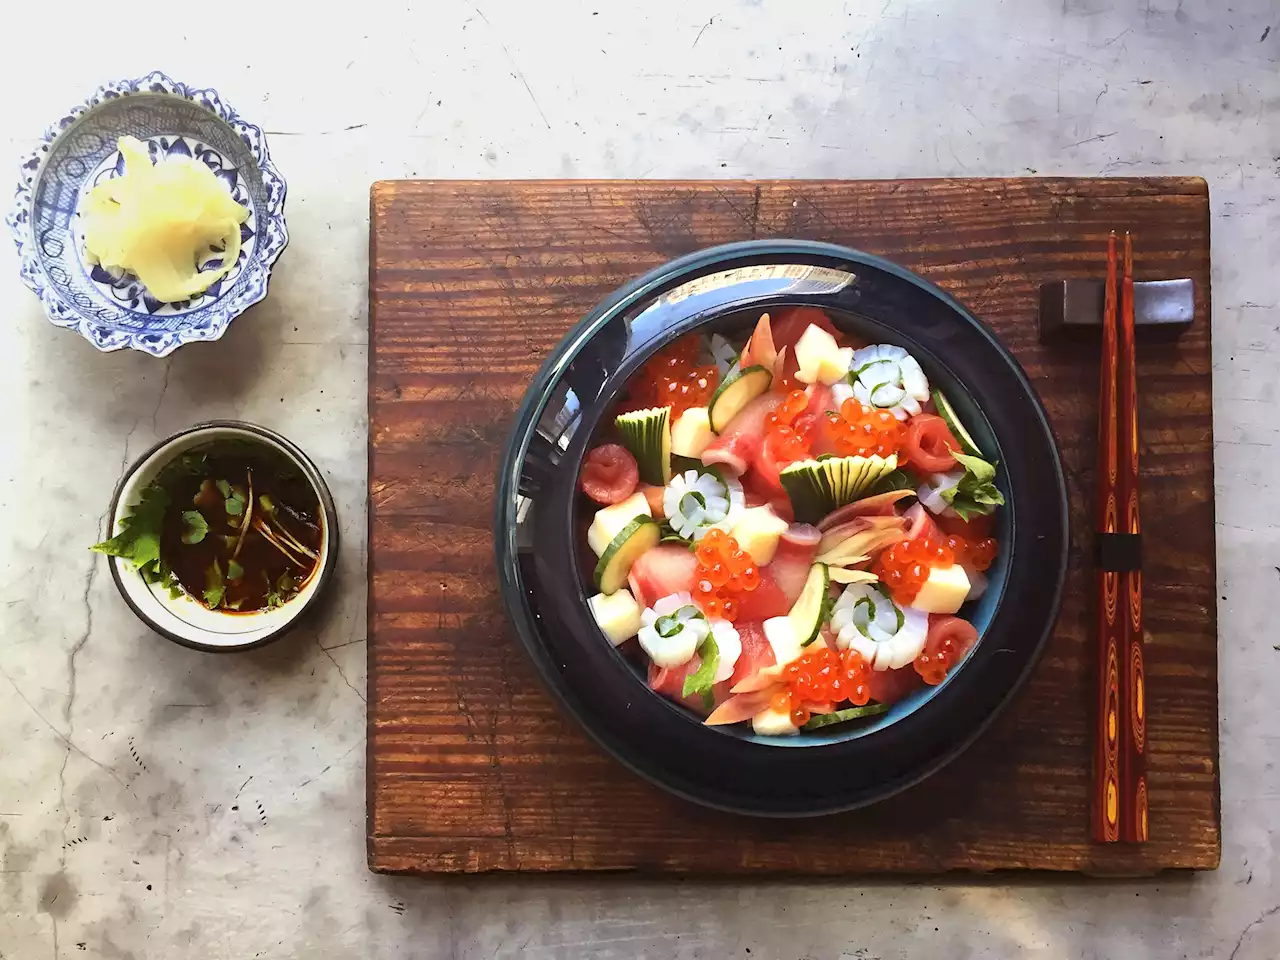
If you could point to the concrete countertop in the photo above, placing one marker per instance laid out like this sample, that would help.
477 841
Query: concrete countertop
161 803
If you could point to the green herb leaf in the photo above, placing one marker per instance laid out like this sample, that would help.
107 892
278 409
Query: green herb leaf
267 504
215 587
194 527
975 467
234 506
976 492
234 571
224 488
702 679
139 538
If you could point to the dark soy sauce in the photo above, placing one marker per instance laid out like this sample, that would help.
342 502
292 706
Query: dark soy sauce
242 530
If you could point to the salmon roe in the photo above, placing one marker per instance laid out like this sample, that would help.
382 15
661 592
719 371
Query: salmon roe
936 660
933 667
672 377
788 431
979 554
822 676
859 431
724 571
904 567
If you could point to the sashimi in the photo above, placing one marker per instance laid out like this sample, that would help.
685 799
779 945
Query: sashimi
819 399
881 505
794 557
662 571
765 601
890 686
737 445
757 652
670 683
920 524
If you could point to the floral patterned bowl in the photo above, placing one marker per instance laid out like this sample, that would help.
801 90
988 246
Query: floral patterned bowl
110 308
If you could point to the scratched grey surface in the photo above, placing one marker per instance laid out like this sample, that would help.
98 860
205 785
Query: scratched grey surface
159 803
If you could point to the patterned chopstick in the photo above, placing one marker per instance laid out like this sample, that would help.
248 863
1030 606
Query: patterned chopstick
1106 761
1133 708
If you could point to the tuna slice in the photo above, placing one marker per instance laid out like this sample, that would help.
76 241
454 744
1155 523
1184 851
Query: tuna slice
783 579
737 446
670 683
662 571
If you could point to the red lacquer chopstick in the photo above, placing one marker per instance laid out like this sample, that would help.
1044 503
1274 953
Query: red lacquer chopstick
1133 707
1106 762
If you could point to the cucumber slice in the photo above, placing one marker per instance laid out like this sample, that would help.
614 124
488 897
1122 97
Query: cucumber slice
647 434
813 606
638 536
609 521
949 417
816 487
735 393
841 716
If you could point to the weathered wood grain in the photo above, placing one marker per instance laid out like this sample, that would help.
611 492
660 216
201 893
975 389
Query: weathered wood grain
470 765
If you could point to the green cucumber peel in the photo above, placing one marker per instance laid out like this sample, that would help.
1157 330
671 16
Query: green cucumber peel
845 715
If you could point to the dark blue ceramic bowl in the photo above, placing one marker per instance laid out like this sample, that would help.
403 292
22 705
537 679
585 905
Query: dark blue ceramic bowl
541 549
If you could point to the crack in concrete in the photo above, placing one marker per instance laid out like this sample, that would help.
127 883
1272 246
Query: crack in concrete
1245 932
340 671
68 717
164 387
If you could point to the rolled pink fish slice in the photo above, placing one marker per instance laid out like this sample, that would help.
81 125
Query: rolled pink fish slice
739 707
880 505
739 444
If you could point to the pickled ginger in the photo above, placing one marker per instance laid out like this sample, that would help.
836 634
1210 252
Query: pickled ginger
163 222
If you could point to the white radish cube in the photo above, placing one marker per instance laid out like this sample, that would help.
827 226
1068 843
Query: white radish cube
617 614
945 591
819 358
691 433
609 521
757 531
774 723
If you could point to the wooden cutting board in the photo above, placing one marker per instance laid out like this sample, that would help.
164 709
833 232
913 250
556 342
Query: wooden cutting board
471 766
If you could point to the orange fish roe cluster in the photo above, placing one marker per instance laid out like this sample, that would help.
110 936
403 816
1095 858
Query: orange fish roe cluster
904 567
859 431
672 377
822 676
724 571
932 665
979 554
787 434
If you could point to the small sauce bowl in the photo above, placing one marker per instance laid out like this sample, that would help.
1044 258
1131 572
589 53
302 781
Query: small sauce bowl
184 619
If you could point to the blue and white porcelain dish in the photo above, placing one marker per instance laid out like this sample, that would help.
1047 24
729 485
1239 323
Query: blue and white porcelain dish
110 309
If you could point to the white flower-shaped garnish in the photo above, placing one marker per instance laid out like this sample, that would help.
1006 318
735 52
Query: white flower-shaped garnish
866 619
695 502
671 630
886 377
